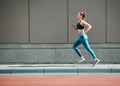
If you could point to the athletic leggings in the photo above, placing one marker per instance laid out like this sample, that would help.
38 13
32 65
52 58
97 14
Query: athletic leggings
83 40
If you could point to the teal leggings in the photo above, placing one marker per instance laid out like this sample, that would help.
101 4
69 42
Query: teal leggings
83 40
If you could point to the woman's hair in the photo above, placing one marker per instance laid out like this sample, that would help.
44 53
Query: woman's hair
84 16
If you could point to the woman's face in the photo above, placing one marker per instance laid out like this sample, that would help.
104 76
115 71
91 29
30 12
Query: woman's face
79 16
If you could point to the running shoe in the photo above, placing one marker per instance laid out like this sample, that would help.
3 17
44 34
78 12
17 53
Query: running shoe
96 62
81 59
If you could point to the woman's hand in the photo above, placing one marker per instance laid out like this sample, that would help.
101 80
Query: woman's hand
73 26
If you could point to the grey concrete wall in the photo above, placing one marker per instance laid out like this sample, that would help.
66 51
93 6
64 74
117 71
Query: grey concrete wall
56 53
113 21
48 21
14 21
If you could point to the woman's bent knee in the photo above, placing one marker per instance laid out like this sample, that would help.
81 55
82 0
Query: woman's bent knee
74 47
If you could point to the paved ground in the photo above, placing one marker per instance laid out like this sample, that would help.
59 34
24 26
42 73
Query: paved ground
61 80
60 75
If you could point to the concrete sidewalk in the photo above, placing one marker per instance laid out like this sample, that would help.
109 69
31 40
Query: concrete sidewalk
60 69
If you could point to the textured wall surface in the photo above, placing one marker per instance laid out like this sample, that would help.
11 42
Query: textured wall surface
48 21
14 21
38 31
56 53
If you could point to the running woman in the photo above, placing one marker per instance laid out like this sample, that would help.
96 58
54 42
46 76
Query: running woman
83 38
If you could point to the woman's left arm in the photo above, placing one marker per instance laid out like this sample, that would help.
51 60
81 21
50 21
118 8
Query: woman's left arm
84 23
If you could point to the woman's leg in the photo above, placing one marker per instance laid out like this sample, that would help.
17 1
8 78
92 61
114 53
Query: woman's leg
75 47
87 46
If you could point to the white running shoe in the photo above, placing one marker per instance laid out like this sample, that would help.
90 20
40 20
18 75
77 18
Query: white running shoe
96 62
81 59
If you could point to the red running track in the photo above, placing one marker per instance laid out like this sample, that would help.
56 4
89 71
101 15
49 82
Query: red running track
60 80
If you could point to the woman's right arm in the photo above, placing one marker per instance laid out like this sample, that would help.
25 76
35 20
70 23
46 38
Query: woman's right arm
73 27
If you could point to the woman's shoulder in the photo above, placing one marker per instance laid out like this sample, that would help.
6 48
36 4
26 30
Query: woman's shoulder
83 21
